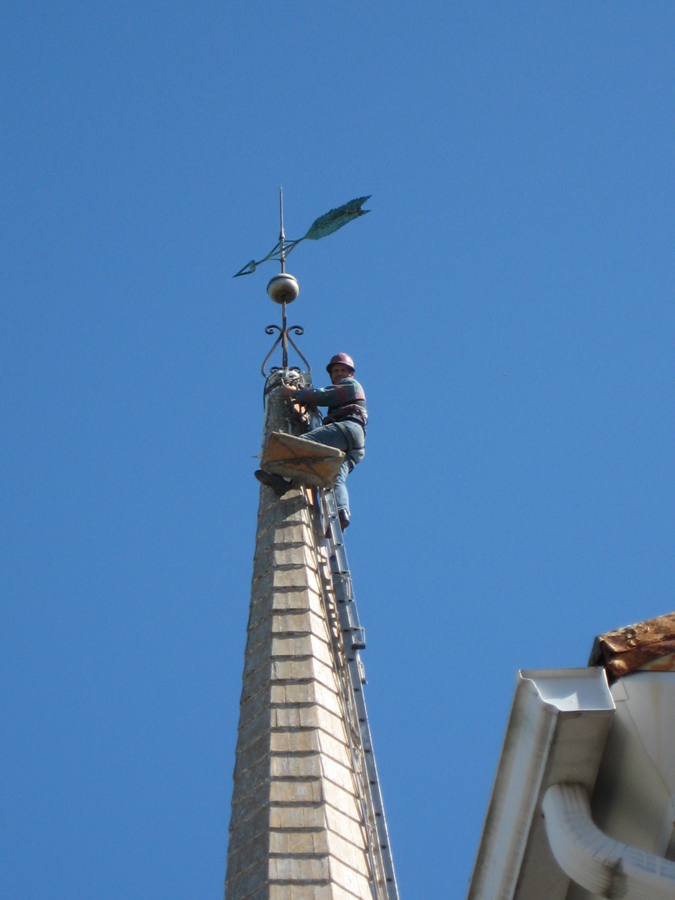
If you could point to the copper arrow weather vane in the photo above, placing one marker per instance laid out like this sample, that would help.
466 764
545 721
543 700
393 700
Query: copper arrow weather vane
321 227
284 288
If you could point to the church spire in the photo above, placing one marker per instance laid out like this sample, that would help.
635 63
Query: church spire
307 821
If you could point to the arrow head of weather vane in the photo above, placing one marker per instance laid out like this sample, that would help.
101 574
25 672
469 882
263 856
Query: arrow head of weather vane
320 228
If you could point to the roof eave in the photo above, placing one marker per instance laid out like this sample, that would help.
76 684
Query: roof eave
556 733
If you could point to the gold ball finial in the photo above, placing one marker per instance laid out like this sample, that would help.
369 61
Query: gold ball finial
283 288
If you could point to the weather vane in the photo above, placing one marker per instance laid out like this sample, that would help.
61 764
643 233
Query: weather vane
284 288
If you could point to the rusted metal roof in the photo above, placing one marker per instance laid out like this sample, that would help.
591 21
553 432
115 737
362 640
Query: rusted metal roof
646 645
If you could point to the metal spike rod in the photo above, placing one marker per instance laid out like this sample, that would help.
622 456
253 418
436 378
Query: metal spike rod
282 236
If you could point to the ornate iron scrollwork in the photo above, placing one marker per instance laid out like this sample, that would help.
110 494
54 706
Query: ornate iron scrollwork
284 338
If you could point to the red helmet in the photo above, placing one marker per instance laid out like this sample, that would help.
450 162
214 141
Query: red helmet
342 359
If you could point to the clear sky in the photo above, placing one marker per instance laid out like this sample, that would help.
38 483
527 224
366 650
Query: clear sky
509 304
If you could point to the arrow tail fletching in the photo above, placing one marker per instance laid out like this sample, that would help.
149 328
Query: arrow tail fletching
336 218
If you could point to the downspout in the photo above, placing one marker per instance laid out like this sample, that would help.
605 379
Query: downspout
595 861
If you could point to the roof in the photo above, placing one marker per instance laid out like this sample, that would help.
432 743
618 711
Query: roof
570 731
646 645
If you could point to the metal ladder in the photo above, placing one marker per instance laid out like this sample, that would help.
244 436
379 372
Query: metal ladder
354 640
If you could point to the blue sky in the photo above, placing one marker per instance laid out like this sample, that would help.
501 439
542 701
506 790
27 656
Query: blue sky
509 304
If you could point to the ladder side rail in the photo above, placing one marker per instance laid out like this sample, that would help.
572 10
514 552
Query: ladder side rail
374 782
377 865
377 869
350 624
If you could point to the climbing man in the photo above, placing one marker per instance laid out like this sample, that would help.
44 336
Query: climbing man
344 426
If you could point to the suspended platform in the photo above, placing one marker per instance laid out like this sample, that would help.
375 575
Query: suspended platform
301 460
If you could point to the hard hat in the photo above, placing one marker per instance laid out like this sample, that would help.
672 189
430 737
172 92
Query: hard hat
341 359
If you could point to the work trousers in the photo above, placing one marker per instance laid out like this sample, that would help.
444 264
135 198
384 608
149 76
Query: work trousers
350 437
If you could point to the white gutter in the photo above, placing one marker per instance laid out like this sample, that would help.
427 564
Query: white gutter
595 861
556 733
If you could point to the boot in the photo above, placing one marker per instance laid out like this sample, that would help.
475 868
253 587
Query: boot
279 485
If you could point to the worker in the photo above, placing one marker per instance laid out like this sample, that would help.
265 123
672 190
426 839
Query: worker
344 426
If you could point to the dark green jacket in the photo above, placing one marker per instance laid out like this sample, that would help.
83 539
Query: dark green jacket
346 401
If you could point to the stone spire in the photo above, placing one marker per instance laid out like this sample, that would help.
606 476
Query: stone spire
302 822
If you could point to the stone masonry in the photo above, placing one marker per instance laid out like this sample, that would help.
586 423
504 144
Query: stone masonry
297 830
